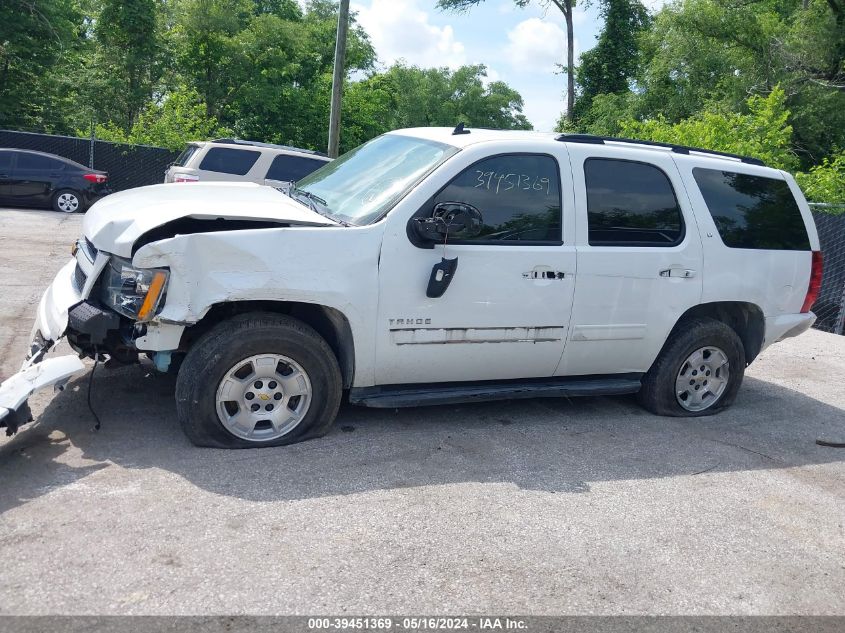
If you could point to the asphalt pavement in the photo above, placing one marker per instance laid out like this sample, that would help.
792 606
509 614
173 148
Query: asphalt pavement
583 506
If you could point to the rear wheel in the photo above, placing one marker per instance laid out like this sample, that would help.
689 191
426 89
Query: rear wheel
67 201
698 372
258 380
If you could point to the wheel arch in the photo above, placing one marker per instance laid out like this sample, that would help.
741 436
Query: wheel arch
746 319
328 322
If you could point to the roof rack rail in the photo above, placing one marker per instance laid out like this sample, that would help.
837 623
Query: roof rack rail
678 149
237 141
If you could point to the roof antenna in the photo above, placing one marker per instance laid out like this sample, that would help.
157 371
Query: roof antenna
459 129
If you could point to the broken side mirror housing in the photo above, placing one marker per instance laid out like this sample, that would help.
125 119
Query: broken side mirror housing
452 220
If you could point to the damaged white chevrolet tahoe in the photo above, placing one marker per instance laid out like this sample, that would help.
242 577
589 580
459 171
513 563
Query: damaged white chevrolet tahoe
433 266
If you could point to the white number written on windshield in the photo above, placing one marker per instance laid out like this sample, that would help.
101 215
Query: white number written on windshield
499 183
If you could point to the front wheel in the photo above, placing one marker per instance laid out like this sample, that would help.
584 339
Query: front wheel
698 372
257 380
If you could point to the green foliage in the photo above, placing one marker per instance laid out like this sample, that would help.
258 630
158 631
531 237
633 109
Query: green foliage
408 96
609 66
128 60
826 182
764 132
179 119
34 38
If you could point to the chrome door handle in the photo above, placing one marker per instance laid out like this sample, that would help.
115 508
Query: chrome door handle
684 273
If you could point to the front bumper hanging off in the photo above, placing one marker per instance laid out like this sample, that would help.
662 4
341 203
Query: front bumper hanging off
15 391
37 372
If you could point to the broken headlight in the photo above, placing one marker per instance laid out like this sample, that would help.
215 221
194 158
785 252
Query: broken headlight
133 292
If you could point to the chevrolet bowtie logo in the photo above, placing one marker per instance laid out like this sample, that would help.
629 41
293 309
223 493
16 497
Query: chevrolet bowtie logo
263 396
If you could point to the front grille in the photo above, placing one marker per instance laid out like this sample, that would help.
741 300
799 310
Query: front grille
79 278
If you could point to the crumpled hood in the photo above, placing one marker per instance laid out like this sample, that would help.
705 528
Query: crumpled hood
114 223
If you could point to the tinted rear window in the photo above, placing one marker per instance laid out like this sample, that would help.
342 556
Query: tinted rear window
229 161
753 211
287 167
185 156
38 162
630 204
5 162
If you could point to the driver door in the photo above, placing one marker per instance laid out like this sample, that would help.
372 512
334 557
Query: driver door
506 310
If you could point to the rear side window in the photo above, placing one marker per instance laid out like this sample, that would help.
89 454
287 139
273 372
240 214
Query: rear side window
5 162
753 211
37 162
630 204
287 167
185 156
226 160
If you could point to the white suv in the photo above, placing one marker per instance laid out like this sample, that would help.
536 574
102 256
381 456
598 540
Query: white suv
433 266
248 161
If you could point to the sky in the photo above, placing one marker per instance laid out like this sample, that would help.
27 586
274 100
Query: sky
519 46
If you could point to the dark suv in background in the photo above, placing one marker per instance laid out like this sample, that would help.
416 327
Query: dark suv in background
37 179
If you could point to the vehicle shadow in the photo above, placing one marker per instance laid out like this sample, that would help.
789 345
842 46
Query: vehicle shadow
551 445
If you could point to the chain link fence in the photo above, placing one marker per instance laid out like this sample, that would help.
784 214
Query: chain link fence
830 306
128 165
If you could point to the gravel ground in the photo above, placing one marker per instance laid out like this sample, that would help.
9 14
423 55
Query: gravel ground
531 507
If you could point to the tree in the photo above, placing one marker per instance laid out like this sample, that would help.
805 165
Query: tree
409 96
711 54
610 65
177 120
566 7
826 182
206 32
764 132
33 40
127 65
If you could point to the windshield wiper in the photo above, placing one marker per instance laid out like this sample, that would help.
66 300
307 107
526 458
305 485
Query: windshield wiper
315 203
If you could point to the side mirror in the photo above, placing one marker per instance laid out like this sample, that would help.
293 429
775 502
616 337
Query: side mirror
454 220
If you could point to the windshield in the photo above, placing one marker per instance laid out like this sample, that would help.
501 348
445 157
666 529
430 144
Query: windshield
362 185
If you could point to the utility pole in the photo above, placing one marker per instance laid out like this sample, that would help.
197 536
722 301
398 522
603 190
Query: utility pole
91 146
337 79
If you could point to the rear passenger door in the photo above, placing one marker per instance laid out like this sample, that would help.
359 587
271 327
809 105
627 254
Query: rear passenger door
639 258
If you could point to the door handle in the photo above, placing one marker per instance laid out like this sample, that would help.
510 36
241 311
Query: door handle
683 273
544 274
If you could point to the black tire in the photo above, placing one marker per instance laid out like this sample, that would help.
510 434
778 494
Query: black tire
58 201
241 337
658 391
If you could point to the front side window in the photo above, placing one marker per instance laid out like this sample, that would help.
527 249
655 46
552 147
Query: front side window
364 184
752 211
630 204
518 196
226 160
292 168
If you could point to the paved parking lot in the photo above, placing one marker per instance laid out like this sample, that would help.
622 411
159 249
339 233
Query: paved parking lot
530 507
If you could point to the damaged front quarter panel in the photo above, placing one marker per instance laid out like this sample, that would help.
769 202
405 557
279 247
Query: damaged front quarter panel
329 266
